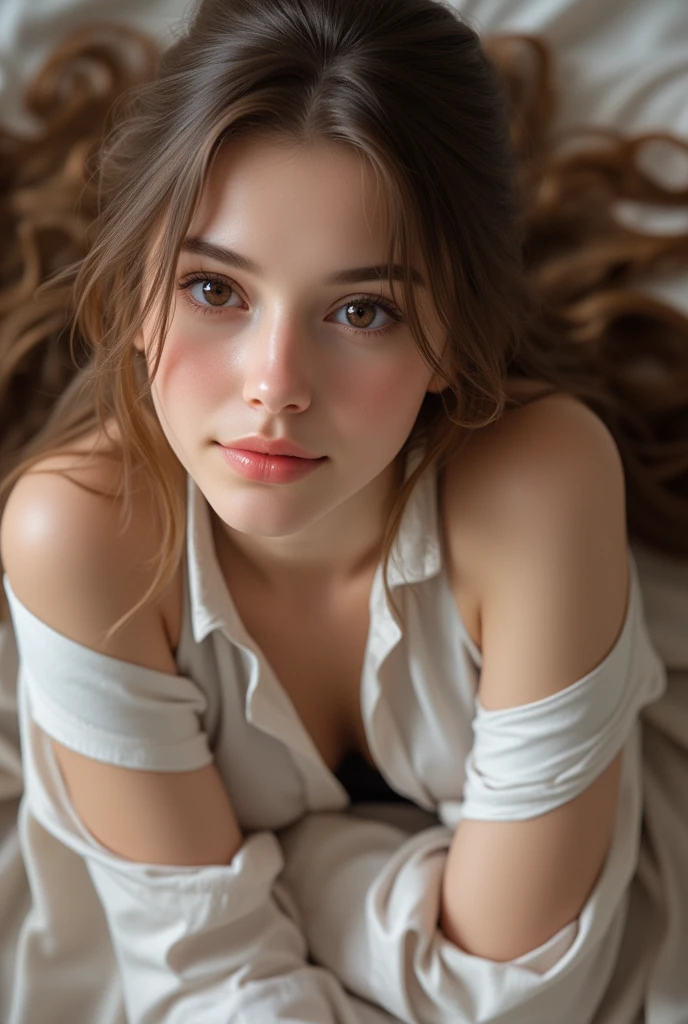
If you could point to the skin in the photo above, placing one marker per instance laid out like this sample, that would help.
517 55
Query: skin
282 358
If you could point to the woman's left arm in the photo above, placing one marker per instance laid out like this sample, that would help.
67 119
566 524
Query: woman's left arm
554 596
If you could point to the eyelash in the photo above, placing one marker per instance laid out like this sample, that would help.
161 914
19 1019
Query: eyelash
378 300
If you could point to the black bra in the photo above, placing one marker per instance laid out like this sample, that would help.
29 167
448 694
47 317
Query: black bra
365 784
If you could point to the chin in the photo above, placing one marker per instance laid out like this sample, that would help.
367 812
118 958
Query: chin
263 516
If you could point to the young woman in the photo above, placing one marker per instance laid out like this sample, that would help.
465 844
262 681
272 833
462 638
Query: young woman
335 509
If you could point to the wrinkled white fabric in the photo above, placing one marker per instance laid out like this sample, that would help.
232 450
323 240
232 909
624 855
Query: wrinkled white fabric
214 945
160 944
153 723
384 890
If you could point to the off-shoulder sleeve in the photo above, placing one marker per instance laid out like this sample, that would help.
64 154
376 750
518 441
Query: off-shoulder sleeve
108 709
369 894
528 760
216 944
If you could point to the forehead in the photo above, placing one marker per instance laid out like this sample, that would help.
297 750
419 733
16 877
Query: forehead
293 196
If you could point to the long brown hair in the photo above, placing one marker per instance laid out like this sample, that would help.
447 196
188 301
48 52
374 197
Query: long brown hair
530 267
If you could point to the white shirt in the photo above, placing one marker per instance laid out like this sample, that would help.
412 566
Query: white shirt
358 891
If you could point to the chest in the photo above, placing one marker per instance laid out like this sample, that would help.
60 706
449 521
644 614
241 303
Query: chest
316 651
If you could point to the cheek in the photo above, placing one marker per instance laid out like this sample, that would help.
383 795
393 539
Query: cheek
189 373
390 393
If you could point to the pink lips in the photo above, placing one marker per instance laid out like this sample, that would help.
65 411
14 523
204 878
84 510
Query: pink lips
267 446
269 468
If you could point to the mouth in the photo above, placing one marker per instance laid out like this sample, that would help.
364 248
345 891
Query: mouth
267 468
271 447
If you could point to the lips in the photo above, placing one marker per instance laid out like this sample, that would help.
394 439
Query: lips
278 446
262 468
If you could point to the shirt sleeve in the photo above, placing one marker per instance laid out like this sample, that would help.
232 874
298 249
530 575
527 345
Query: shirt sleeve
216 944
108 709
369 893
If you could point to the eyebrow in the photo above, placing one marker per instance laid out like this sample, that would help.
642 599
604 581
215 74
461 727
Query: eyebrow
203 247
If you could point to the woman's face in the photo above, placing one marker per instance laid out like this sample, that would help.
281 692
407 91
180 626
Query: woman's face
272 345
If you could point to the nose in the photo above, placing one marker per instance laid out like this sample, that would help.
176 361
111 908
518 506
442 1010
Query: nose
278 367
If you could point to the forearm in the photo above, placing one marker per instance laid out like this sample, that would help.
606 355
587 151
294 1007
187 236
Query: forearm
369 897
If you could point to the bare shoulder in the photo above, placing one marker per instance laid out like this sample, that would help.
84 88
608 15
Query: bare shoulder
74 563
541 450
541 469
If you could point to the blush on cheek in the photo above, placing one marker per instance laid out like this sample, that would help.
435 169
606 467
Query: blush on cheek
189 370
384 394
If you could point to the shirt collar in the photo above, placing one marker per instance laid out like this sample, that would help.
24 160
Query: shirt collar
415 554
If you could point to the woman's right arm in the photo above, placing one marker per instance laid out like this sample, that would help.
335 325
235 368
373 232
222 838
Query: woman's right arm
200 928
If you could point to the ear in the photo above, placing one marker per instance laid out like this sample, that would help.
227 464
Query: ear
138 342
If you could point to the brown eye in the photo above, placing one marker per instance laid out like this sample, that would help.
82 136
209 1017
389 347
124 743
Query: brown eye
216 293
358 311
362 311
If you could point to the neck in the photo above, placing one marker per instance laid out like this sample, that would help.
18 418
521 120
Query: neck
337 551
